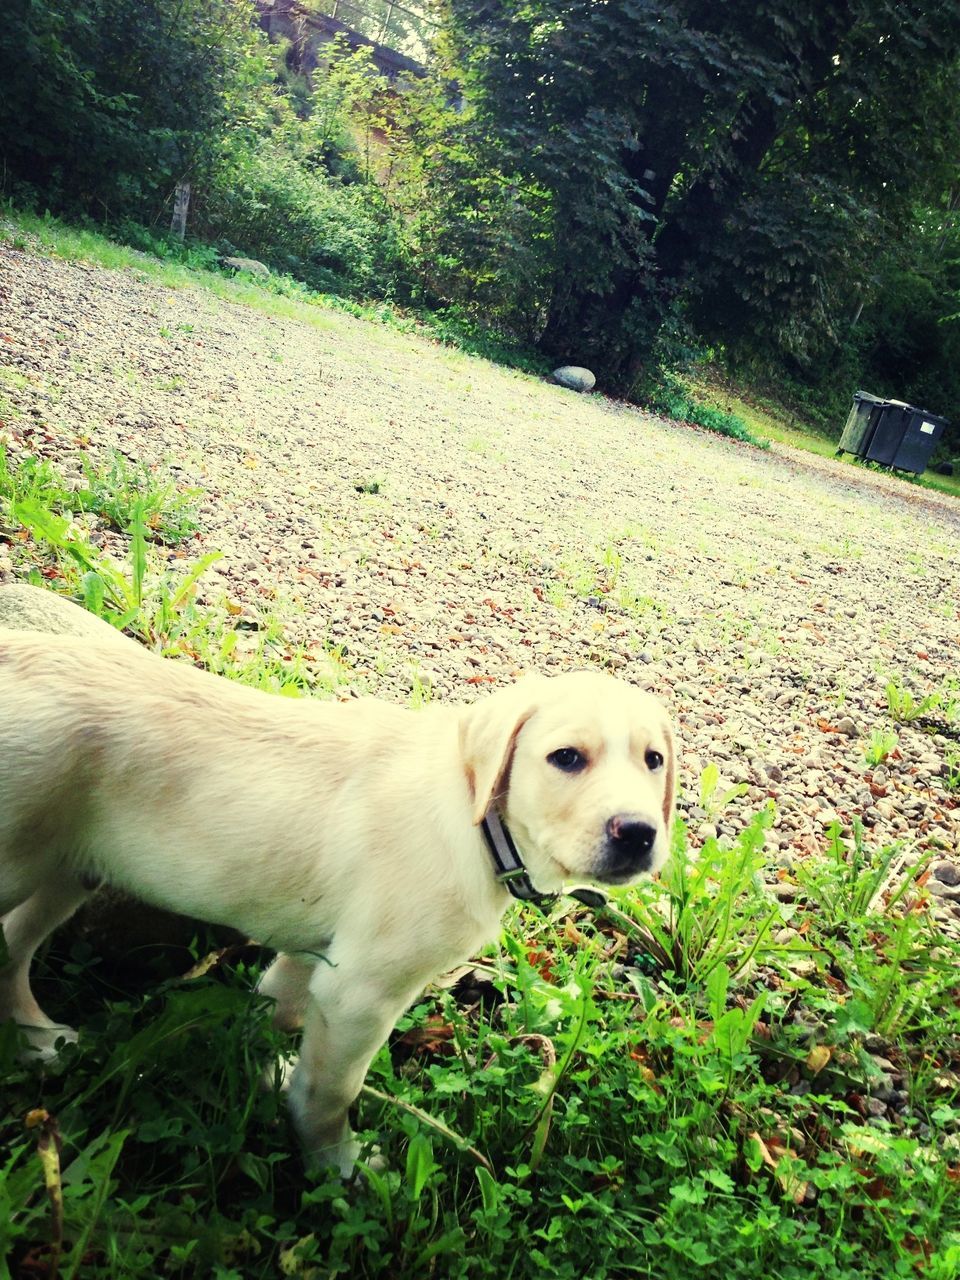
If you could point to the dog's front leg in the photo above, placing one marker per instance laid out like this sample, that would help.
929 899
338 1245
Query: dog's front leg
346 1023
287 982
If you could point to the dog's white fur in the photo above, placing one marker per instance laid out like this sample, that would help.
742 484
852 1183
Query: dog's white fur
343 834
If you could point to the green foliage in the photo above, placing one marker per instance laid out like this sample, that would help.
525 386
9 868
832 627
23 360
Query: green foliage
882 742
335 237
873 924
108 103
904 707
149 600
123 491
673 400
557 1110
746 164
709 912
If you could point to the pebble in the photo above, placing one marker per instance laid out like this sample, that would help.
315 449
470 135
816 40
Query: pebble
945 872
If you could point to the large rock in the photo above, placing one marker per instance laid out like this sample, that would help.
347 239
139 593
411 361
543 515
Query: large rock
575 377
254 267
133 938
26 608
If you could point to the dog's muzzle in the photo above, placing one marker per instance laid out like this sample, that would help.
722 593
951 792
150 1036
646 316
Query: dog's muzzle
627 850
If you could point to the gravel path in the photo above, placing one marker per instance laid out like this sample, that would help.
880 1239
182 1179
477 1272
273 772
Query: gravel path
768 597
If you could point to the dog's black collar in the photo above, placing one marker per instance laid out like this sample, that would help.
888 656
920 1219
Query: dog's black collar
513 875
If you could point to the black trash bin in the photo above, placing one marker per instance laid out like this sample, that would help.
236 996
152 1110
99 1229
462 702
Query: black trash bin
860 423
891 432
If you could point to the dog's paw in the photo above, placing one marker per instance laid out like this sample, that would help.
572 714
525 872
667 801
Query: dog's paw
371 1161
278 1073
44 1045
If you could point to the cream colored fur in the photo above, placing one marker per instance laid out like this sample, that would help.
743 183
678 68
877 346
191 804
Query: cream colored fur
342 830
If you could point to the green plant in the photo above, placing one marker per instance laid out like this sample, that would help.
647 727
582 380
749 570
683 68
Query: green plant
669 397
33 480
872 919
118 489
881 744
707 911
904 707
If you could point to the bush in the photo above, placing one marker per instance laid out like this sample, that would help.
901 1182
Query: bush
335 237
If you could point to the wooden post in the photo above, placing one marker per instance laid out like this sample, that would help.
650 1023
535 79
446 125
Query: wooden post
181 203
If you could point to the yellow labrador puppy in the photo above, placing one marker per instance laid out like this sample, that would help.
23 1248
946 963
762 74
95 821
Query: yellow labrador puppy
374 847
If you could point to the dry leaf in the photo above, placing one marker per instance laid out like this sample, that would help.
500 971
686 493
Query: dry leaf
817 1058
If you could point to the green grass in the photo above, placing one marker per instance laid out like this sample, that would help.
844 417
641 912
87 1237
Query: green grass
153 603
768 421
279 295
652 1091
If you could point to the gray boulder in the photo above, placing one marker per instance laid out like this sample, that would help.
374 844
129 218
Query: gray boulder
575 377
254 267
27 608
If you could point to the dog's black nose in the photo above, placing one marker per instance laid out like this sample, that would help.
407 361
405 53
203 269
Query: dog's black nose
630 841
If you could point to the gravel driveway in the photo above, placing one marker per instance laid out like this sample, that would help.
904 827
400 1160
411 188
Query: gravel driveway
452 524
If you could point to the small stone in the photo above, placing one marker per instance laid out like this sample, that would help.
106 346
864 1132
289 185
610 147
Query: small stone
949 892
946 872
881 1088
848 726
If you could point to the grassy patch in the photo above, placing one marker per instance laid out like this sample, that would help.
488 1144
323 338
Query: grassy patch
177 267
659 1089
43 520
768 420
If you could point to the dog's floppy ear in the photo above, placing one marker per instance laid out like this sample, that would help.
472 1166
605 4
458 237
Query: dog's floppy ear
670 779
488 733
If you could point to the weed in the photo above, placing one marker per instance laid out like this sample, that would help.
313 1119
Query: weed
121 599
671 399
707 911
881 744
32 480
905 708
168 513
872 920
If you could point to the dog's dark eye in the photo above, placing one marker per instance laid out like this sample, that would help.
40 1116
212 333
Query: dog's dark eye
569 759
654 760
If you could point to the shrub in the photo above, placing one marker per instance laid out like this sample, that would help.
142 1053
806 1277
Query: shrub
336 237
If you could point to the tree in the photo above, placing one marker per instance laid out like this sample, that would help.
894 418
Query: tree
106 104
742 160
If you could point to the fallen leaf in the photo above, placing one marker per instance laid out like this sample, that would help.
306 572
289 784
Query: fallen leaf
817 1058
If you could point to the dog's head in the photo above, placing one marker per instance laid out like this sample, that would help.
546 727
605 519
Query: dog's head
582 769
